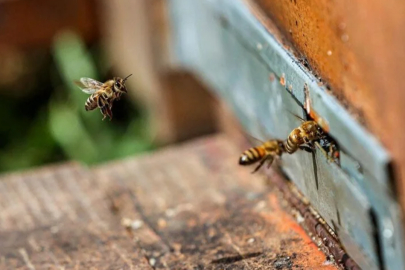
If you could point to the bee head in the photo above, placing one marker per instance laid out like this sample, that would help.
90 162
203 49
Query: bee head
119 84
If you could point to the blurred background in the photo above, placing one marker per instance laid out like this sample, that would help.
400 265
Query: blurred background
45 45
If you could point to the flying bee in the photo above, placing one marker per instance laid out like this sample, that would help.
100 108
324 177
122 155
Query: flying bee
102 94
267 151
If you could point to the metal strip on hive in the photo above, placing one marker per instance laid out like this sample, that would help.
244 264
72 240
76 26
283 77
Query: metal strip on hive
224 44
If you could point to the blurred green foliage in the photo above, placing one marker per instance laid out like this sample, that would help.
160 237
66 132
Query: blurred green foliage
59 128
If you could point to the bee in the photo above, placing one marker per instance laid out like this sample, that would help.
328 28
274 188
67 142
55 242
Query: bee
331 148
102 94
267 151
303 136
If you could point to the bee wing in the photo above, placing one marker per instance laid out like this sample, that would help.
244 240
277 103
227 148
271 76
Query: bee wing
84 89
88 85
91 83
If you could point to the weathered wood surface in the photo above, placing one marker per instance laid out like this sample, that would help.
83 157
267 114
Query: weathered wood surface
188 206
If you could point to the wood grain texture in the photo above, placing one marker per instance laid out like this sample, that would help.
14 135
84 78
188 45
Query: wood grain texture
185 207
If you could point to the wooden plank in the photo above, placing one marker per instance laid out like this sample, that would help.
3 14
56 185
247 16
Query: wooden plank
184 207
210 223
71 224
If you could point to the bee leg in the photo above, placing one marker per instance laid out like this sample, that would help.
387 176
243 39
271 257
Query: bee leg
104 112
306 148
109 112
101 104
270 159
332 149
334 152
260 165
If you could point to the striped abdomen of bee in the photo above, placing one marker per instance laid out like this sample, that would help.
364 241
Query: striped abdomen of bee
101 100
306 133
97 100
91 102
266 151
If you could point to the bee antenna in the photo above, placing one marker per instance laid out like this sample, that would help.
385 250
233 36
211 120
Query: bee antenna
302 119
127 77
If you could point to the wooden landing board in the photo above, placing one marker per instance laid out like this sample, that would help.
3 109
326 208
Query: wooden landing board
185 207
